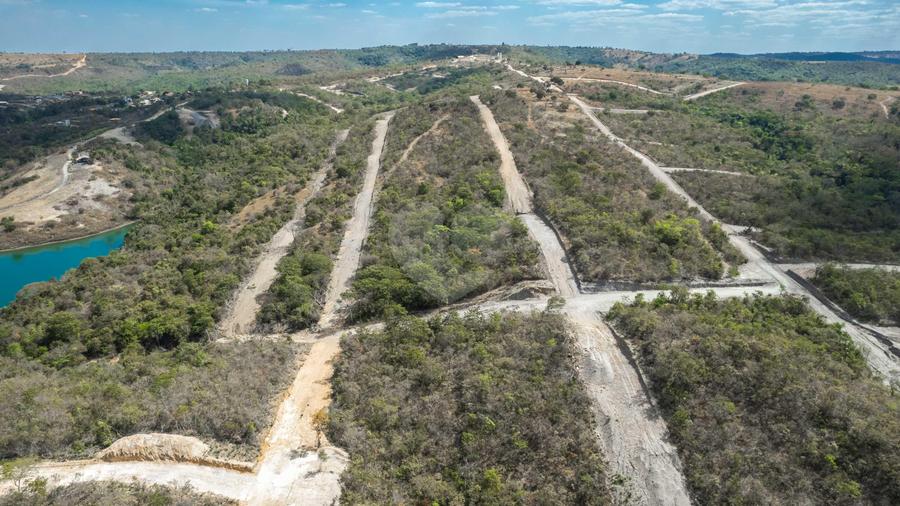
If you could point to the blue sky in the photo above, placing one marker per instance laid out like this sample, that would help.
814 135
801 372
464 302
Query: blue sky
656 25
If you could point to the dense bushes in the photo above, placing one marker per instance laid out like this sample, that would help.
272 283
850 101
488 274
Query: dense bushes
825 186
162 291
109 493
296 297
219 392
439 232
618 223
766 403
872 295
465 410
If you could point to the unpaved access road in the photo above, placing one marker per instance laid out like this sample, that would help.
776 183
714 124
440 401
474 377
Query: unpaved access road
879 357
77 65
714 171
518 200
701 94
612 81
633 436
884 106
357 229
336 109
241 316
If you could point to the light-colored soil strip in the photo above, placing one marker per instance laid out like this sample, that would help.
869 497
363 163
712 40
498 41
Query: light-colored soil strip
241 316
612 81
316 99
670 170
701 94
77 65
518 200
357 229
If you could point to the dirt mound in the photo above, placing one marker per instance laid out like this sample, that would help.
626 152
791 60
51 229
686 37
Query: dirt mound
154 447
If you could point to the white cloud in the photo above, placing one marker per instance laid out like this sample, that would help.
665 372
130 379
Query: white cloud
598 17
463 13
295 7
82 15
597 3
369 11
337 5
438 5
206 9
684 5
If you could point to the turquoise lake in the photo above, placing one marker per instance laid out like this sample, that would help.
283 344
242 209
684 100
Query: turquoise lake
42 263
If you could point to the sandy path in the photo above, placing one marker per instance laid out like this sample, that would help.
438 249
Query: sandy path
634 436
613 110
612 81
695 96
808 269
316 99
884 106
878 356
241 316
518 200
541 80
714 171
412 145
357 229
77 65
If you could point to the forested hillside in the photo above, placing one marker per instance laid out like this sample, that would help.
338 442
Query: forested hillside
766 402
119 345
458 409
820 171
619 224
439 232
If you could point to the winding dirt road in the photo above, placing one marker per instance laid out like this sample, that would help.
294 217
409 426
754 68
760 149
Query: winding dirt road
241 316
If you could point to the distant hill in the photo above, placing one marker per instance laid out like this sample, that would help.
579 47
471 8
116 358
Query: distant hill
892 57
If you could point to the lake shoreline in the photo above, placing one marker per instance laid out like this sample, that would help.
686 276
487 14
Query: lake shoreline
71 239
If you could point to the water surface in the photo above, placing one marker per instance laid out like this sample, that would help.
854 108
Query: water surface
42 263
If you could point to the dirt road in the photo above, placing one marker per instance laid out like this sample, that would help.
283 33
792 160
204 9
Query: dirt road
77 65
241 316
541 80
701 94
338 110
878 356
714 171
634 436
612 81
884 106
357 229
518 200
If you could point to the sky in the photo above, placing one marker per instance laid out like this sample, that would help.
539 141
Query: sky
696 26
